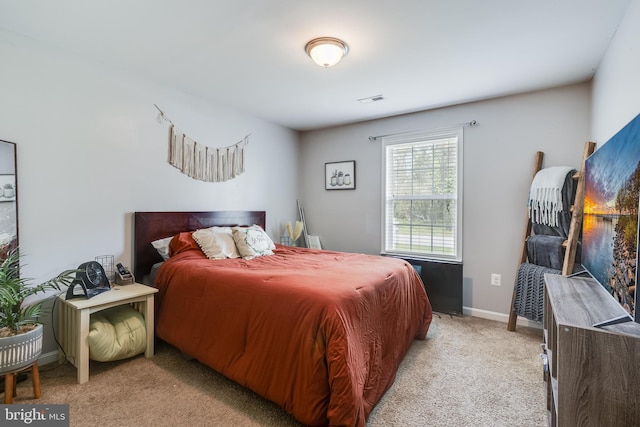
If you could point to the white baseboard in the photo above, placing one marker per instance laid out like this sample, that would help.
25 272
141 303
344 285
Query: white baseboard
51 357
500 317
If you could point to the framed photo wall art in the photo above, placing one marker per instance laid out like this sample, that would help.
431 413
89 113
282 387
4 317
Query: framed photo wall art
340 175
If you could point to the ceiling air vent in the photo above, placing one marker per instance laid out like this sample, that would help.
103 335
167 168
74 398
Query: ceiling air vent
369 99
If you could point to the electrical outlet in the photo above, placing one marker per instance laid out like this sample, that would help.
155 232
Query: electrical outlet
496 279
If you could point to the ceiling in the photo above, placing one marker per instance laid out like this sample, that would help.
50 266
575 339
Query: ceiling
249 55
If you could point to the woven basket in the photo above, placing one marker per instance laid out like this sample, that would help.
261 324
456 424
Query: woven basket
19 351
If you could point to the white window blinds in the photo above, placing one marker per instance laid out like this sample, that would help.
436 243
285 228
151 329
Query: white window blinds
422 195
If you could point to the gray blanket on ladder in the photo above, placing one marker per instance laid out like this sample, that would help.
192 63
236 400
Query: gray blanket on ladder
546 251
529 299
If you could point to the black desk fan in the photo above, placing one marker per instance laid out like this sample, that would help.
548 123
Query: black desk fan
90 281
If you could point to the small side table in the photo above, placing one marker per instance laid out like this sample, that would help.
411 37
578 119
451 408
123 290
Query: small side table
74 316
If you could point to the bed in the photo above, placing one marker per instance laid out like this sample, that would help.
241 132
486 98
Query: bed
320 333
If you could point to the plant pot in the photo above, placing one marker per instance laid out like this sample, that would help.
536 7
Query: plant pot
19 351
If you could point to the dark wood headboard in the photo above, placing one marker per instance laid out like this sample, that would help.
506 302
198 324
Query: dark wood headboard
150 226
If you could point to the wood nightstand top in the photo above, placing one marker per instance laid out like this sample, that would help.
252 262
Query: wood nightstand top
116 294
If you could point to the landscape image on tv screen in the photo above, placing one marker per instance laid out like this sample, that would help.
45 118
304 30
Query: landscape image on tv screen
610 227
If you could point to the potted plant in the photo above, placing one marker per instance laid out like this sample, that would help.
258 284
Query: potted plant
20 331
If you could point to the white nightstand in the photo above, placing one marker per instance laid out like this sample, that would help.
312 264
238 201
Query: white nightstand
73 321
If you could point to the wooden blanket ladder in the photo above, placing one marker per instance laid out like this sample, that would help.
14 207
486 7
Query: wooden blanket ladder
571 244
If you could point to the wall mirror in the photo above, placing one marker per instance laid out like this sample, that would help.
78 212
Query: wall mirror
8 198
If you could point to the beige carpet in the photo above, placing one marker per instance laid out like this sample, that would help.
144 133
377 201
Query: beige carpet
468 372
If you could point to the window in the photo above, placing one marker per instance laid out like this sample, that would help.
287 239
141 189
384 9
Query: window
422 213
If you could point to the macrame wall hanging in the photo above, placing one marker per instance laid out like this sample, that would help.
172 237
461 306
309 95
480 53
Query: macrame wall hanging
201 162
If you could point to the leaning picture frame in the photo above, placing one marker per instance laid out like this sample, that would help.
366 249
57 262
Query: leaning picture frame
7 188
340 175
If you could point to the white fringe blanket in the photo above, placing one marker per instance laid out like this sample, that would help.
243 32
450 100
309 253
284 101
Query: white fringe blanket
205 163
545 196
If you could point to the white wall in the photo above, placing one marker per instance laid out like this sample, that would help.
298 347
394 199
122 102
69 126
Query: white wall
616 85
90 152
498 162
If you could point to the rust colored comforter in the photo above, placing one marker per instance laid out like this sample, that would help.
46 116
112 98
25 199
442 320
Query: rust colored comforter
320 333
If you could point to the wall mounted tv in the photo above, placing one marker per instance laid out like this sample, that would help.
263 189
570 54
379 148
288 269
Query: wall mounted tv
610 225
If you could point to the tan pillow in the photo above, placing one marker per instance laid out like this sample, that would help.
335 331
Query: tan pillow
116 333
252 241
216 242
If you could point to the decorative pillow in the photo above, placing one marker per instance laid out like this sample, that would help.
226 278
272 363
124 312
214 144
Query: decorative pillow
183 242
252 241
116 333
216 242
162 246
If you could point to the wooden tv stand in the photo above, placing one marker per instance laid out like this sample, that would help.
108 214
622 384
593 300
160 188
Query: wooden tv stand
592 375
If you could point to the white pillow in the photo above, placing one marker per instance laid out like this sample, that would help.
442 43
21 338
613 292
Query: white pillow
216 242
162 246
252 241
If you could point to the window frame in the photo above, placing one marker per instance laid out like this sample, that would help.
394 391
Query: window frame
421 137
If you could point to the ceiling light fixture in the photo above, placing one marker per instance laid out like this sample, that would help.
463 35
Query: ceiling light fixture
326 51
